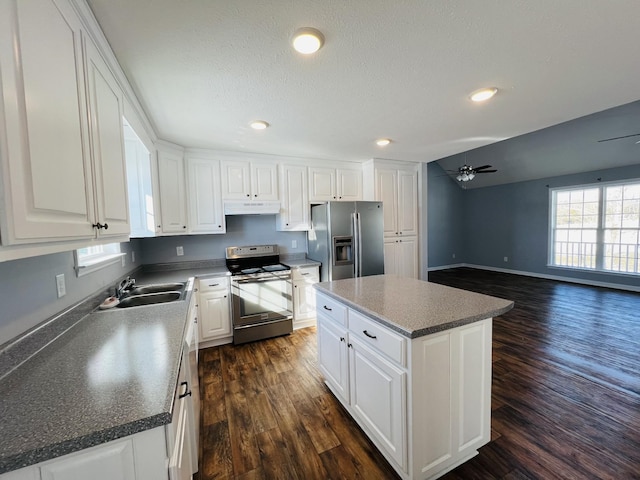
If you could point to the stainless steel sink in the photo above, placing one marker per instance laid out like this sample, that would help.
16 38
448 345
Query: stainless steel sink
156 288
149 299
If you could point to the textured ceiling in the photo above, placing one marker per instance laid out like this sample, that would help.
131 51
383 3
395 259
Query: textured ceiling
203 69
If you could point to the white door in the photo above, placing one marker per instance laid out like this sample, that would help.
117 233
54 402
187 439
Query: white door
49 184
349 184
387 193
264 181
407 203
322 184
332 355
236 180
107 145
215 321
294 214
173 200
378 398
206 213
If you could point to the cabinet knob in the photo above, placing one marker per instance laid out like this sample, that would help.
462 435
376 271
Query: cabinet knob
159 226
256 195
342 339
225 296
349 345
184 226
248 195
219 226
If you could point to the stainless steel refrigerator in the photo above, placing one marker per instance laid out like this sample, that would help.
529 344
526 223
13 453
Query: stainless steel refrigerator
347 238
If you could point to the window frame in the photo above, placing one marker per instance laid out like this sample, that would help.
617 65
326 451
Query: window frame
84 265
600 229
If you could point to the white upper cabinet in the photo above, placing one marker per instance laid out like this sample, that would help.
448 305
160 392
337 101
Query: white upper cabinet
248 180
328 184
63 158
294 211
107 145
46 167
140 185
172 192
206 213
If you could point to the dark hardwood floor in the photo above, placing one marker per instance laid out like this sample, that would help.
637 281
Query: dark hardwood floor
565 395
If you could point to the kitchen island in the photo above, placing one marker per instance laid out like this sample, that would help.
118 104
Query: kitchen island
411 362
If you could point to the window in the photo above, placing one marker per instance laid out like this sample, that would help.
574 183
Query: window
596 227
95 257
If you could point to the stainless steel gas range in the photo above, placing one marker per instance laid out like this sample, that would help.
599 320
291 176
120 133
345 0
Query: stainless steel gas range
261 293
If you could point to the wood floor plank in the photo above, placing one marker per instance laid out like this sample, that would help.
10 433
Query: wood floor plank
275 456
216 461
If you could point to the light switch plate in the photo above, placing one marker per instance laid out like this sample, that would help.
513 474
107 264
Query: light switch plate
179 251
294 244
60 285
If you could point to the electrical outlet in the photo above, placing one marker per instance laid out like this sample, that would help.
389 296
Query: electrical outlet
179 251
60 286
124 260
506 259
294 244
133 257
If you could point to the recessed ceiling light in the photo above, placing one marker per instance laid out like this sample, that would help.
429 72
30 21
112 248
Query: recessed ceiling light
483 94
259 125
307 40
383 142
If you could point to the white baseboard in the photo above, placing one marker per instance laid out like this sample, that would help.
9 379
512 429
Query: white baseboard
446 267
560 278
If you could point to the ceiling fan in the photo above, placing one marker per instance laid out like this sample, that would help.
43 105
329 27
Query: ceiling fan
466 173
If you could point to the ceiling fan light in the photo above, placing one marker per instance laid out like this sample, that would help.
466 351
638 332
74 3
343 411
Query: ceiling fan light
307 40
459 178
471 176
483 94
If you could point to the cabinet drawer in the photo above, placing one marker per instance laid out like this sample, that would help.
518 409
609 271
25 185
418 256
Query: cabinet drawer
213 284
331 308
378 336
305 273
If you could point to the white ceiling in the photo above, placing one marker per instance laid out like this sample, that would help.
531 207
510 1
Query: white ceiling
203 69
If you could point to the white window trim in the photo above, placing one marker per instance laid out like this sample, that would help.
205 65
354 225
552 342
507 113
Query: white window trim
550 224
95 264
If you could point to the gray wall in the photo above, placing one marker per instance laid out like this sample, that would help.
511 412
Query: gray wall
28 292
445 218
241 230
512 221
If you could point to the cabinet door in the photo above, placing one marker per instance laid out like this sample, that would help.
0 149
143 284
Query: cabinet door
407 203
407 257
48 192
378 398
391 256
294 214
387 192
304 299
206 213
99 463
349 184
173 200
215 321
333 357
236 180
322 184
107 144
140 186
264 181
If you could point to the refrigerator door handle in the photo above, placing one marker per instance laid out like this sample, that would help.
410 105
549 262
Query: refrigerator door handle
357 241
356 256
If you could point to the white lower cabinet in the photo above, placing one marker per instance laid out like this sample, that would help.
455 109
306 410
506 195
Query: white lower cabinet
214 310
401 256
424 402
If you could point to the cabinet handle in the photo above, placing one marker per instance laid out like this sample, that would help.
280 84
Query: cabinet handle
349 345
342 339
305 273
99 226
187 392
368 334
214 285
327 308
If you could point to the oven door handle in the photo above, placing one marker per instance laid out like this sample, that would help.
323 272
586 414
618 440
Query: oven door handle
260 280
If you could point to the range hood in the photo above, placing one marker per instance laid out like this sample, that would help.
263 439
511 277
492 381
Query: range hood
241 207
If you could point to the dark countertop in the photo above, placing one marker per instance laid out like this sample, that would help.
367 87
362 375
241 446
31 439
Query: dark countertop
112 373
412 307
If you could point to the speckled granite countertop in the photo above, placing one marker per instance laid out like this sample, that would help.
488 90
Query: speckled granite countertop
301 262
411 307
111 374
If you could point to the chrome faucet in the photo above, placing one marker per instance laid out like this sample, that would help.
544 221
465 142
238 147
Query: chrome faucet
124 286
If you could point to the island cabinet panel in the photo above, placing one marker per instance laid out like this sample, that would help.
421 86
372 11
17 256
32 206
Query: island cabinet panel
425 402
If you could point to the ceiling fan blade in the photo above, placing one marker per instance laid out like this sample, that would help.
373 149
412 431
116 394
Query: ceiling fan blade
487 171
619 138
482 167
